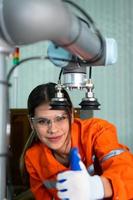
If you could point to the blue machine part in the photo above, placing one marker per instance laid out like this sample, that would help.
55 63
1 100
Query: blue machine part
58 55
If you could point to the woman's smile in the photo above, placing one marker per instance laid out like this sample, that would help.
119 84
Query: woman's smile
55 139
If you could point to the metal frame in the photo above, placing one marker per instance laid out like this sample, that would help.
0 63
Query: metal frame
5 50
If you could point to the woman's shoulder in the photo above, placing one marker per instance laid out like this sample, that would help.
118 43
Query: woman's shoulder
34 150
93 121
93 126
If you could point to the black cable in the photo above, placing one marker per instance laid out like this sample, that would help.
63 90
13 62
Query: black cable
90 72
60 74
20 62
5 83
84 21
80 9
33 58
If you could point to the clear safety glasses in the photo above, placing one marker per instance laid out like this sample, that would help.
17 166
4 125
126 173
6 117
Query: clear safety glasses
45 122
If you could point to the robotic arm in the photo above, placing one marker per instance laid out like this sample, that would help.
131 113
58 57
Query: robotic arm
25 22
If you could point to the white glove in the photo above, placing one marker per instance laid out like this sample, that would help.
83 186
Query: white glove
77 185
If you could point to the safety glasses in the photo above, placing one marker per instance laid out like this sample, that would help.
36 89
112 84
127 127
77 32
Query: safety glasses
46 122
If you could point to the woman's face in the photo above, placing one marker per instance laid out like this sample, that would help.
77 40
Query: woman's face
52 127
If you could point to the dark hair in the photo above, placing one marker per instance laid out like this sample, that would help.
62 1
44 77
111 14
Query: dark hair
43 94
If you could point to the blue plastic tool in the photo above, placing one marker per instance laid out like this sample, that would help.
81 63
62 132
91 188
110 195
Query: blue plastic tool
74 159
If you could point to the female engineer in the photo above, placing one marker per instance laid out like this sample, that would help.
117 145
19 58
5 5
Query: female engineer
106 167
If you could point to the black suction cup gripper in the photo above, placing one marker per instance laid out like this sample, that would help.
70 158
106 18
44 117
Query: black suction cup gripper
59 105
90 105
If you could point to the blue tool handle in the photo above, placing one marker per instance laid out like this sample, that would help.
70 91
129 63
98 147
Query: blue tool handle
74 159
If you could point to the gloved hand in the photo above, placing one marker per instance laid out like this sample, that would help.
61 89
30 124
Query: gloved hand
77 185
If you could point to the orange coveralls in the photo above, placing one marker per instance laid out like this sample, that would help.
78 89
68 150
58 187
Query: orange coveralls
94 138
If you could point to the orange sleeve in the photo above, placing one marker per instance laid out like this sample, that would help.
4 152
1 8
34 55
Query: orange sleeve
38 189
119 168
120 171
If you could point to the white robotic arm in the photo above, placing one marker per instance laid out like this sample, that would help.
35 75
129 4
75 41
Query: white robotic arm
29 21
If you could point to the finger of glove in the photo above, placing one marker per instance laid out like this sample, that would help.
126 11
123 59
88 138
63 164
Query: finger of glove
70 195
64 175
66 185
62 185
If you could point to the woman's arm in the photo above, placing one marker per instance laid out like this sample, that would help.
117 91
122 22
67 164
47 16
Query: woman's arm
115 160
36 184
